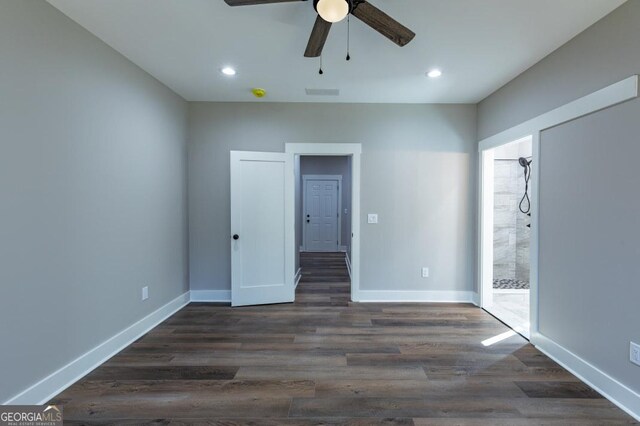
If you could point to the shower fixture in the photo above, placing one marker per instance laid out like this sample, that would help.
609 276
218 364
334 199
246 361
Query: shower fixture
526 164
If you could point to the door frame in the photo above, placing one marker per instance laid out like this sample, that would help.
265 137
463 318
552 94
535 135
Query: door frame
619 92
338 178
486 227
353 150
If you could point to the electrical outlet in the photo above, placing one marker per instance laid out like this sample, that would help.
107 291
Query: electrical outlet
425 272
372 218
634 353
145 292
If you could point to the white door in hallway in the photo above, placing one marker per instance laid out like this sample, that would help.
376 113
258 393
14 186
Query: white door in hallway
262 228
321 215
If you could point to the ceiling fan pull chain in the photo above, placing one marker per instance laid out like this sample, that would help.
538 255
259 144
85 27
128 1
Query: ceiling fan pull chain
348 36
320 72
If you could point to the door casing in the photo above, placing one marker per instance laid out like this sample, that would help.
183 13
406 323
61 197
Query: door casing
353 150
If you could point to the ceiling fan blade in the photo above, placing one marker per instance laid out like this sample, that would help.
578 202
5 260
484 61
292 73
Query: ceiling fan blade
318 38
252 2
383 23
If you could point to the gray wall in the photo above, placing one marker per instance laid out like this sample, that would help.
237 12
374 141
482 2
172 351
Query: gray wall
605 53
588 182
320 165
589 233
93 193
418 174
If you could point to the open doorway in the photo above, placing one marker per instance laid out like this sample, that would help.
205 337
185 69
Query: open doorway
323 229
506 235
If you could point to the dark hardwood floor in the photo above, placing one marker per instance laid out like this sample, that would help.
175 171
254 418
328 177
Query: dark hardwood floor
326 361
325 280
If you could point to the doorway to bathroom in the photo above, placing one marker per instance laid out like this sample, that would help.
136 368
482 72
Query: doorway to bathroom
506 233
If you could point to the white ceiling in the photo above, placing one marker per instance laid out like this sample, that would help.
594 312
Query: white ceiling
479 44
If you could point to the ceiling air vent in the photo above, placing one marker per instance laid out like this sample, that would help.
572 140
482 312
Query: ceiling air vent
322 92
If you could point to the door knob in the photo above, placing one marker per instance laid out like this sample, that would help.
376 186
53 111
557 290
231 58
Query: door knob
236 236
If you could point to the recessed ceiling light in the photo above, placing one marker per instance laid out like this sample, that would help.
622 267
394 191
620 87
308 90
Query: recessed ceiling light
228 71
434 73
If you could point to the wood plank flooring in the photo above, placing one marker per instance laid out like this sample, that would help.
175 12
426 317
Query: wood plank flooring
324 280
326 361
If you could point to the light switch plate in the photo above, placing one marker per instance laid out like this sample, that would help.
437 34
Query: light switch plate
372 218
634 353
145 292
425 272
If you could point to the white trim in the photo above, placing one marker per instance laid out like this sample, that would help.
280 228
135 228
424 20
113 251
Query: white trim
414 296
348 262
611 95
323 148
618 393
534 240
213 296
354 150
485 228
337 178
297 278
61 379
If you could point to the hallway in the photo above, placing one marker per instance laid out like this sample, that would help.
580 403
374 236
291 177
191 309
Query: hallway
325 280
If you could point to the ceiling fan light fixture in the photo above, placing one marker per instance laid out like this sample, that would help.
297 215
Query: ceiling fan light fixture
228 71
333 10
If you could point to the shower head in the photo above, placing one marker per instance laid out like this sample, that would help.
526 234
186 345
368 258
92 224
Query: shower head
524 162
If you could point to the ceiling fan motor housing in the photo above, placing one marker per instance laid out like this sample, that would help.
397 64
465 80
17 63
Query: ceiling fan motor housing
351 4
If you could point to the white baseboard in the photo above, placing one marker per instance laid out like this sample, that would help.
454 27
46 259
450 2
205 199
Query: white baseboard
222 296
296 279
342 249
616 392
415 296
61 379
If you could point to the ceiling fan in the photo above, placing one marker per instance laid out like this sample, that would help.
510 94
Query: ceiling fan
330 11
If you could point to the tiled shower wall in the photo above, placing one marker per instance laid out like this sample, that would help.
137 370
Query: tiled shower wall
511 236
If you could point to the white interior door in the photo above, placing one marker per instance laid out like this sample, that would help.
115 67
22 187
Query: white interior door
262 228
321 215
